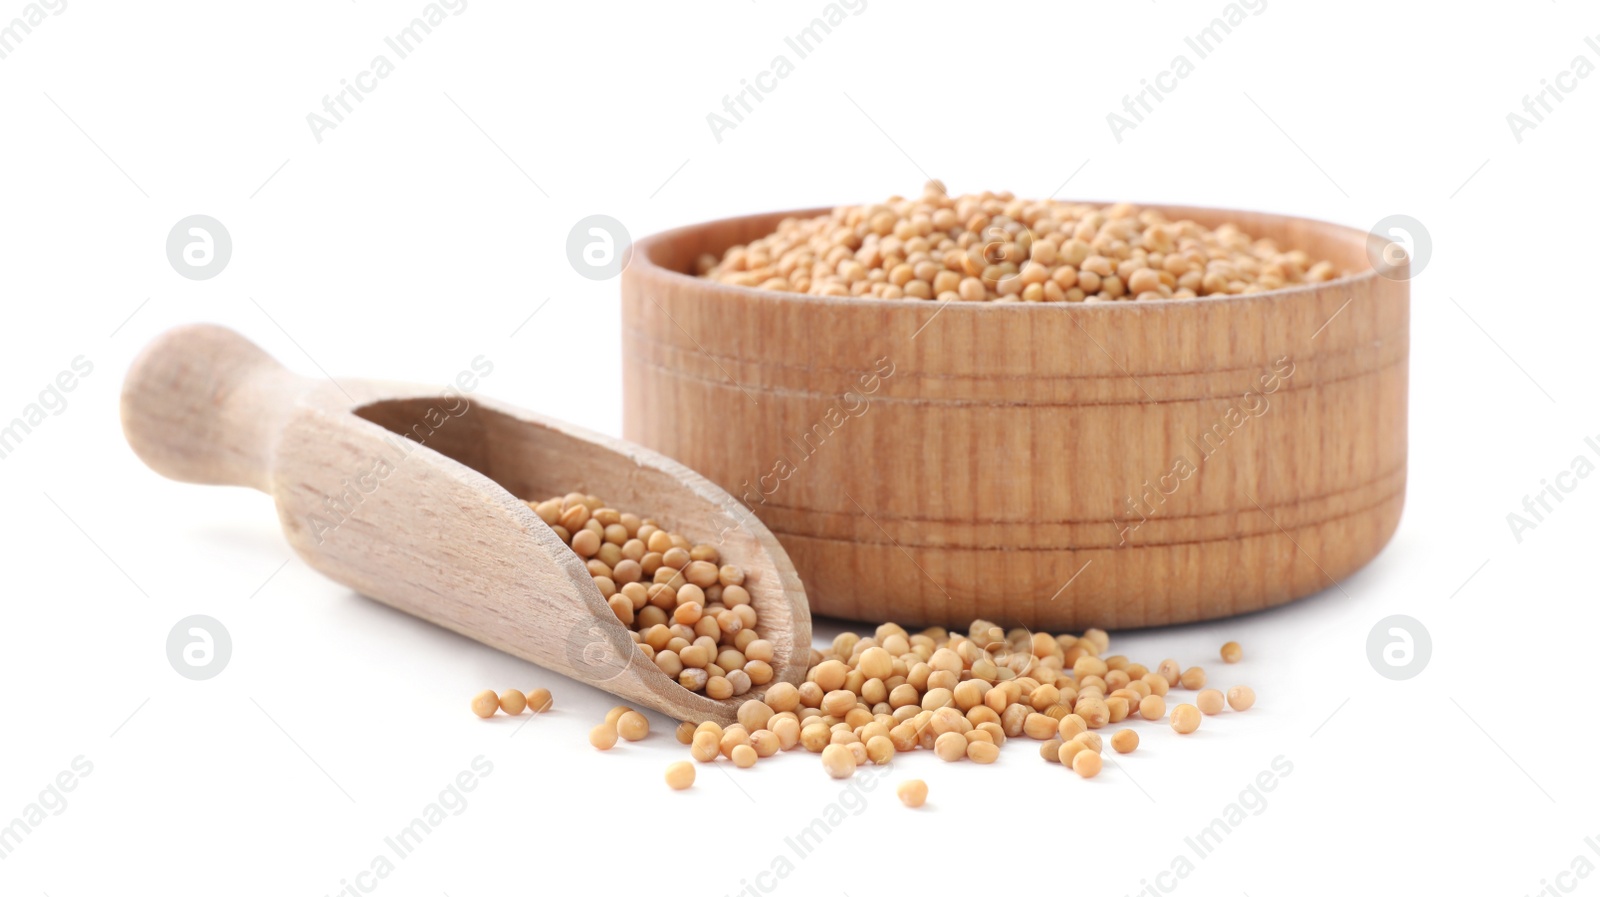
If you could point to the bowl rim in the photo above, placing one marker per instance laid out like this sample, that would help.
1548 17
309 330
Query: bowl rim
642 259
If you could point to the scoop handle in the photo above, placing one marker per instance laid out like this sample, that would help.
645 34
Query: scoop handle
202 404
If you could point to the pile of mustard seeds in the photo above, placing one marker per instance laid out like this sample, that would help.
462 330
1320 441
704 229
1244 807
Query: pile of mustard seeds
963 696
689 616
993 247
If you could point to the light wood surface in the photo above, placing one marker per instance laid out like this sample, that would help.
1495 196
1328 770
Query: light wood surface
993 466
437 529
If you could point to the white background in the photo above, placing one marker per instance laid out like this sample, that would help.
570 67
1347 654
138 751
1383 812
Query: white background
426 228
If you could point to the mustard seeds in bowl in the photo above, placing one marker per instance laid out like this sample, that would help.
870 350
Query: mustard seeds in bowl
994 247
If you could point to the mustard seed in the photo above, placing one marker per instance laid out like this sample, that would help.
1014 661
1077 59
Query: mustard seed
743 756
684 733
680 775
788 731
838 703
1125 741
603 737
539 700
706 746
1051 750
912 792
513 702
754 715
982 751
1241 697
1069 750
633 726
485 703
1209 701
1194 678
1086 763
1231 652
950 746
1152 707
858 753
1094 712
732 737
1040 726
1070 726
876 663
815 737
838 761
1185 718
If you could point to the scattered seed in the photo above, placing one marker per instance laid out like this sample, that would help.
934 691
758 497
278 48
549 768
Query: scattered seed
1209 701
633 725
539 700
485 703
706 746
1125 741
603 737
1185 718
513 701
1231 652
743 756
1086 763
1241 697
912 792
680 775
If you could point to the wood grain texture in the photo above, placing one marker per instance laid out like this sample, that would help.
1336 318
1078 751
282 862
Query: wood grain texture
411 496
999 460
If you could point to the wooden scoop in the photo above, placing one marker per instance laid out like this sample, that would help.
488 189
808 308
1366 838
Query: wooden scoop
413 495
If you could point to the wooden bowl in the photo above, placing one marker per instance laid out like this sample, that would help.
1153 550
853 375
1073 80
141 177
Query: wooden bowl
1050 465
